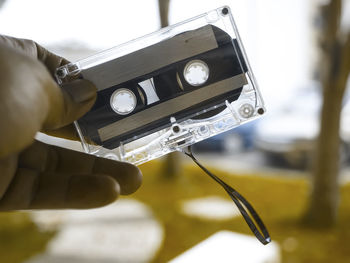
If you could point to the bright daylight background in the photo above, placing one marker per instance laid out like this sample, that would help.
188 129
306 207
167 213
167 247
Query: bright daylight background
167 217
276 34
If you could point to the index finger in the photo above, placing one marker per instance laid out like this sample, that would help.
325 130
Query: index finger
48 158
34 50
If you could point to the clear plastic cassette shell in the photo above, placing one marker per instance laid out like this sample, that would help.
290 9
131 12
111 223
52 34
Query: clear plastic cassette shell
192 58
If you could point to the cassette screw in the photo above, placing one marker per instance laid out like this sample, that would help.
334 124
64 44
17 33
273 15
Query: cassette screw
176 129
224 11
61 73
261 111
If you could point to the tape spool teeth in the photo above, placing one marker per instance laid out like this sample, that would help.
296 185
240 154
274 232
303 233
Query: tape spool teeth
123 101
196 72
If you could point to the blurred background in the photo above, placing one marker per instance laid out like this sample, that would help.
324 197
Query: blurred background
293 164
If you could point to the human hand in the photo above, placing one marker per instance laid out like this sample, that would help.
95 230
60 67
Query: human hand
34 175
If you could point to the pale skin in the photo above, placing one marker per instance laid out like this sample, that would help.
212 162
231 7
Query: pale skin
34 175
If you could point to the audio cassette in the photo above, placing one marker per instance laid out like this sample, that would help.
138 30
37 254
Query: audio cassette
167 90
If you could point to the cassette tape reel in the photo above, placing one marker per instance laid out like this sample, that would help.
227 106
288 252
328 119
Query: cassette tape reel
167 90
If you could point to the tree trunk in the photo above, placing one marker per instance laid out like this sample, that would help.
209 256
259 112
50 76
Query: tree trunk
163 6
335 66
2 2
324 198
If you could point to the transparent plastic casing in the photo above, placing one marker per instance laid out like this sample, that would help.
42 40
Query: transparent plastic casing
179 133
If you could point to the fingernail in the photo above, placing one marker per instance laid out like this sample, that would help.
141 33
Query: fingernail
80 90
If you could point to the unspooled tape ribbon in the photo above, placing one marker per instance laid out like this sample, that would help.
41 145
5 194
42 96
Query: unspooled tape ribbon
243 205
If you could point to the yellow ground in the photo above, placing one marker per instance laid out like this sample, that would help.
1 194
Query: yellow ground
280 201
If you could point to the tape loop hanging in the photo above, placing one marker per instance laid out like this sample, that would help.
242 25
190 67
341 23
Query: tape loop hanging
246 209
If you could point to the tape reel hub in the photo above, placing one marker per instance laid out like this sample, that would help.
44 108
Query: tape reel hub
196 72
246 110
123 101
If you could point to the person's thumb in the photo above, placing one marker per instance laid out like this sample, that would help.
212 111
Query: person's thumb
69 102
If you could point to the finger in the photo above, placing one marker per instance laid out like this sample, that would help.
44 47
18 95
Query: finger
128 176
67 132
34 50
31 100
50 60
48 158
8 166
79 94
31 189
68 103
20 191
